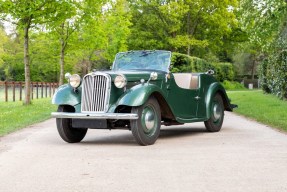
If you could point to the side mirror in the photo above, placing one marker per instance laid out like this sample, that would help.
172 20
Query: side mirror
210 72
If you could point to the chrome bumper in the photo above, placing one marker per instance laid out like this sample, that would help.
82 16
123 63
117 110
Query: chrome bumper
94 115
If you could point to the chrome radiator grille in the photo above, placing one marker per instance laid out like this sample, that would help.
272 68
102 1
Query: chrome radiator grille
96 92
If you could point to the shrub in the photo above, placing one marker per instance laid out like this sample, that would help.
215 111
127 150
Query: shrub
227 71
273 71
231 85
185 63
264 75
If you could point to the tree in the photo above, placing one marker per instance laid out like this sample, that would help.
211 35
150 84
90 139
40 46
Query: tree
3 41
90 44
69 15
12 58
187 26
265 23
44 52
103 32
261 20
3 53
27 15
118 27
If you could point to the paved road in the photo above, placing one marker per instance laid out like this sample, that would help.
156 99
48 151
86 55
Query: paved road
245 156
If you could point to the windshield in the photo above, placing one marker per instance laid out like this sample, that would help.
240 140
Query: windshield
150 60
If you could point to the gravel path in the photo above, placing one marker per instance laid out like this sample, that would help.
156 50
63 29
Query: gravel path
245 156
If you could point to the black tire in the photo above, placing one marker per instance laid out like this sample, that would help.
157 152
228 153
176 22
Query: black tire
65 129
214 123
146 128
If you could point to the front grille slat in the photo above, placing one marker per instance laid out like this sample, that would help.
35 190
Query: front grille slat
94 96
95 93
102 92
100 96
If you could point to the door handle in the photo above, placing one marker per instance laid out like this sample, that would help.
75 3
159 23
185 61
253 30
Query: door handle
196 98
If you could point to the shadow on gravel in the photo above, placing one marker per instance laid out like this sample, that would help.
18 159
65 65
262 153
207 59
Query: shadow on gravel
180 132
126 138
115 139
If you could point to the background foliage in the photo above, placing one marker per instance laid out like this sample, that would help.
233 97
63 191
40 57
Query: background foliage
185 63
233 37
265 23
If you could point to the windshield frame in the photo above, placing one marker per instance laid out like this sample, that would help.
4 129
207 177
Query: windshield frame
167 69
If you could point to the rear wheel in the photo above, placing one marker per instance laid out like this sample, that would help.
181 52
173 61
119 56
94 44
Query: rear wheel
214 123
65 129
146 128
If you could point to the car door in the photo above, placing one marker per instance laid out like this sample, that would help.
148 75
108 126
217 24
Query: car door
184 102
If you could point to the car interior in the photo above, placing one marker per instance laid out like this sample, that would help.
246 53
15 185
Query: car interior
186 80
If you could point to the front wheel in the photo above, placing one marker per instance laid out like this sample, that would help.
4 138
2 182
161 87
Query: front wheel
214 123
65 129
146 128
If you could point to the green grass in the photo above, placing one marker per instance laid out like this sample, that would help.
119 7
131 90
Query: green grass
14 115
264 108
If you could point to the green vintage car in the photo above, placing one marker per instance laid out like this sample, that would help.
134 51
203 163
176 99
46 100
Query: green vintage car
139 94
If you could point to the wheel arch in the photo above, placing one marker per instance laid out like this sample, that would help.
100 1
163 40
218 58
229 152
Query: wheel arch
225 99
65 95
216 88
166 112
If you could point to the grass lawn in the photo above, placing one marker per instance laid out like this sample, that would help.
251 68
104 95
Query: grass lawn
267 109
14 115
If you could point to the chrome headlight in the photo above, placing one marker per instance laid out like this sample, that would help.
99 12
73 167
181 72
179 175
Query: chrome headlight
75 80
120 81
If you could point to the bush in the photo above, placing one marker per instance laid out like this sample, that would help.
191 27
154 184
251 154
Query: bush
227 71
273 70
184 63
231 85
263 76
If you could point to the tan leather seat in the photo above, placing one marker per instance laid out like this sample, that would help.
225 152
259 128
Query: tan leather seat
186 80
194 82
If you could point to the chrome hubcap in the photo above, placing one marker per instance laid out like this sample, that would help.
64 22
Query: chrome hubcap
149 119
216 112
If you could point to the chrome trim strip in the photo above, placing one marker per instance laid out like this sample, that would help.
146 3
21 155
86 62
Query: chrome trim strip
95 115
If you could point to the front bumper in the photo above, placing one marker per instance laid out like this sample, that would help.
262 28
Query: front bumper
94 115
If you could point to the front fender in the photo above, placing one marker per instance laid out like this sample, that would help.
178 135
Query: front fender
65 95
212 90
138 95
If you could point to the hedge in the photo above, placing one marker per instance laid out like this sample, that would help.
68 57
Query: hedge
274 74
185 63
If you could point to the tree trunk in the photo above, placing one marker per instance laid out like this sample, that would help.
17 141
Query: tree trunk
253 68
27 100
62 62
188 33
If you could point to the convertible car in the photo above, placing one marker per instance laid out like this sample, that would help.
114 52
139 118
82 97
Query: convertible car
140 94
